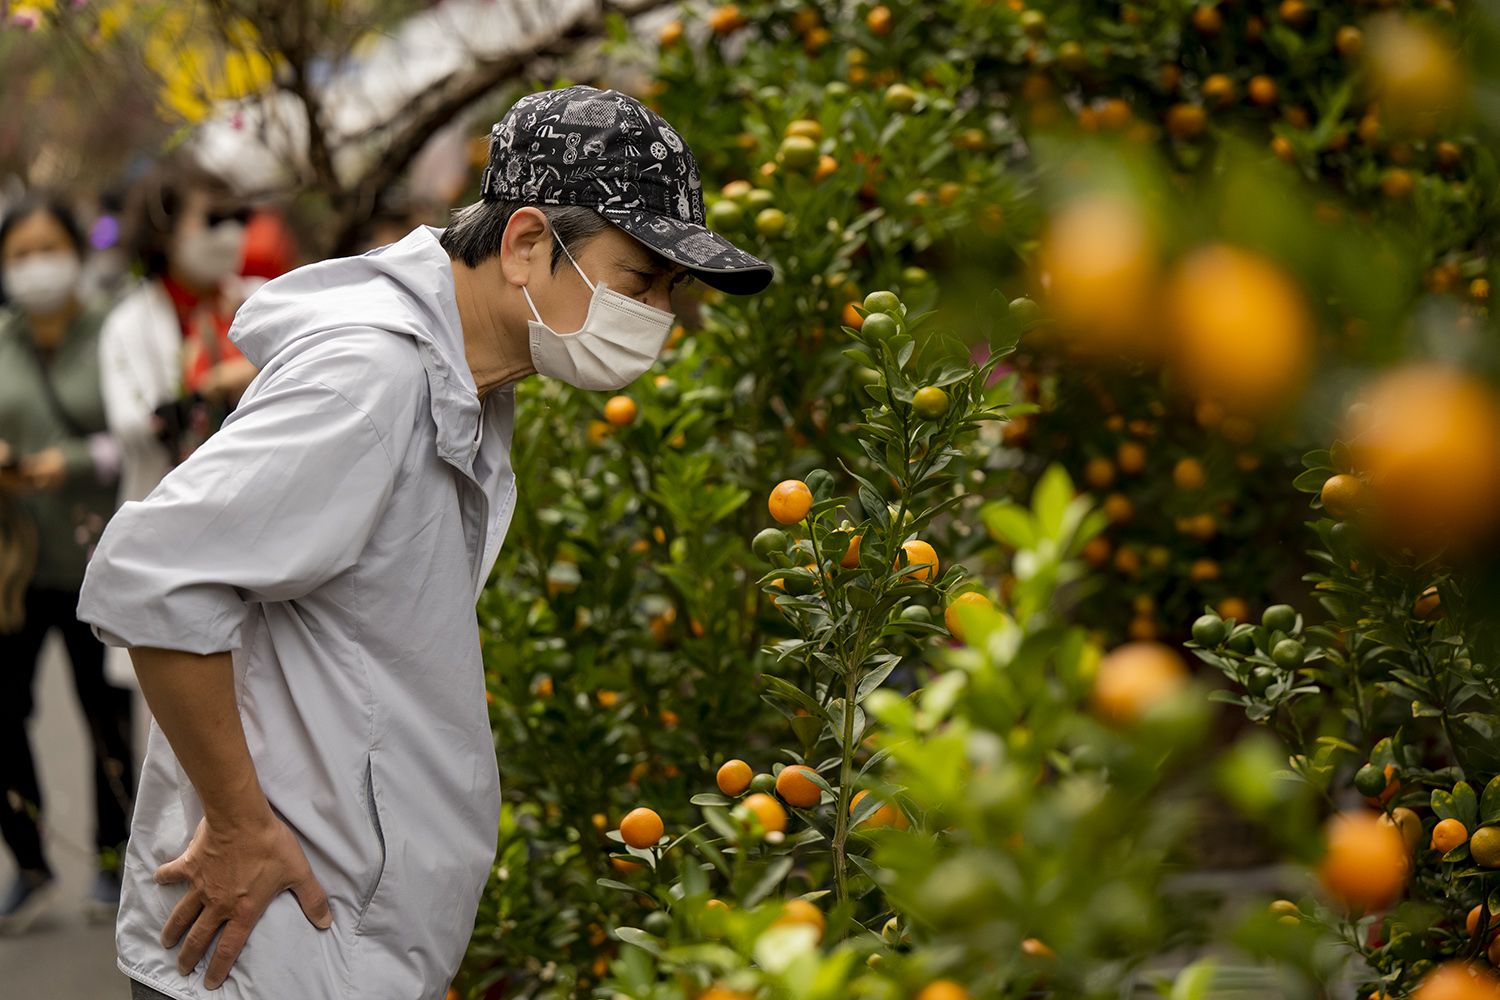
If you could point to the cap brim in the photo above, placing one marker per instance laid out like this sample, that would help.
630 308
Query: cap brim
708 256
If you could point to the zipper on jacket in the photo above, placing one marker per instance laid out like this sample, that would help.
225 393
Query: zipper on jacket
364 904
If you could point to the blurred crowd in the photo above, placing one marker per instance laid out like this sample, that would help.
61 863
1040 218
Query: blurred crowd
115 364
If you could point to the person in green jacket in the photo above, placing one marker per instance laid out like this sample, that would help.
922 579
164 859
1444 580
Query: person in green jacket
58 471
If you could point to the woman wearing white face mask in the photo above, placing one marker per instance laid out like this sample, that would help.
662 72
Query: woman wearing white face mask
170 372
57 473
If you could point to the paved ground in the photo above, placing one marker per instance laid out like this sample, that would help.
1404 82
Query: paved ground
64 957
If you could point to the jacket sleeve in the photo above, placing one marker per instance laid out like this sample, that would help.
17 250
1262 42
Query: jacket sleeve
282 499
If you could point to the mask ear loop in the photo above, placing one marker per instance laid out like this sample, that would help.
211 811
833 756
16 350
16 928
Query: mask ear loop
565 250
586 281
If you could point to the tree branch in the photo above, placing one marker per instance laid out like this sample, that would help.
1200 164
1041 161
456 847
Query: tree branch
439 104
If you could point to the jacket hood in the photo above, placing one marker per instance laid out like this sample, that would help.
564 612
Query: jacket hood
405 288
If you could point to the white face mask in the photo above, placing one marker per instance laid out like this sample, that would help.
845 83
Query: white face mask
42 283
618 343
210 255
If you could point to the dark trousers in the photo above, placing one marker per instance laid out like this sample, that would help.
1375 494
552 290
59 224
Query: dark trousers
140 991
106 707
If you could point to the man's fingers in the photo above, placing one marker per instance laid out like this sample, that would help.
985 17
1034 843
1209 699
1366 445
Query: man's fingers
236 933
198 938
314 902
182 918
172 871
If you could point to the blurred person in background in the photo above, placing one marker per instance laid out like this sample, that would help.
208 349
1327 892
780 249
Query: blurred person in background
169 371
58 471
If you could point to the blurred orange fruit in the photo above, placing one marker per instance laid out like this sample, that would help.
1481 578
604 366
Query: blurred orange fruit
1036 949
886 815
1219 89
879 20
1295 13
1366 864
943 989
1099 473
620 411
1262 90
1186 121
1096 551
972 599
1397 184
723 993
1428 443
1282 147
1344 496
1457 981
919 553
1243 331
851 316
768 811
641 828
1414 73
1203 569
607 699
1118 508
1208 20
624 867
1233 607
826 167
726 20
1097 269
734 777
1349 40
671 34
1135 678
1131 457
793 785
801 911
790 501
1188 475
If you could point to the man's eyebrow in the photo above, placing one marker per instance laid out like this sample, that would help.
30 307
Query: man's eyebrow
642 260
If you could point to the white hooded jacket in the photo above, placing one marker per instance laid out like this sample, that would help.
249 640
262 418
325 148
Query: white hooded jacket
334 534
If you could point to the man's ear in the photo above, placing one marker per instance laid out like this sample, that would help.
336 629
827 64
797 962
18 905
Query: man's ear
527 239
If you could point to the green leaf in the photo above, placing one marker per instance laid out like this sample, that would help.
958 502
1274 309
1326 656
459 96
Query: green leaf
709 799
610 883
1010 523
1311 481
1050 500
1321 459
792 692
820 482
1193 982
639 938
1466 805
1443 806
774 874
1489 802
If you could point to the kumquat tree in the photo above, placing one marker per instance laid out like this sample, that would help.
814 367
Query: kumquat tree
1076 575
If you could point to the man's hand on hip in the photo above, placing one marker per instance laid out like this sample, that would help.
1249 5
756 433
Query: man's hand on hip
242 855
232 875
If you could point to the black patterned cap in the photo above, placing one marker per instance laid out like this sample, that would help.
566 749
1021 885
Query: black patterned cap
603 150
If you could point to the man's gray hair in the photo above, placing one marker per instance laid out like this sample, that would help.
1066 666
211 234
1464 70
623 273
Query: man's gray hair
477 230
